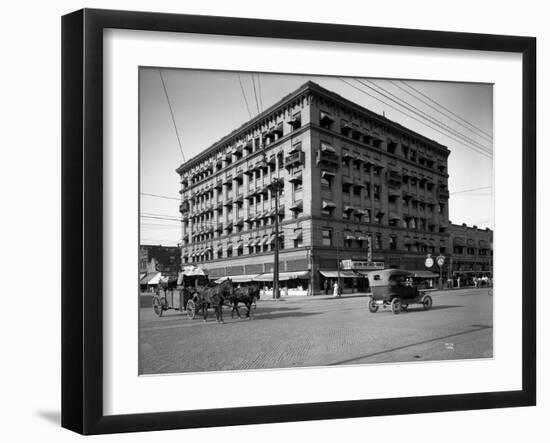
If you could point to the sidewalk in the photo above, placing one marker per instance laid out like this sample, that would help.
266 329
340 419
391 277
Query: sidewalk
433 292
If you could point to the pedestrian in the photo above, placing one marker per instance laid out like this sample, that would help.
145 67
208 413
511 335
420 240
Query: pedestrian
335 290
326 286
458 282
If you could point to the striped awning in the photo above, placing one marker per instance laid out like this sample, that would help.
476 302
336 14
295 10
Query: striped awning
334 274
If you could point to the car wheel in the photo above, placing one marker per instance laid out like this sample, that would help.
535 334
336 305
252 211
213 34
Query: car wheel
427 303
396 306
373 306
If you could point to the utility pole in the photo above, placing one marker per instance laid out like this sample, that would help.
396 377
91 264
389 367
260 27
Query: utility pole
275 185
338 263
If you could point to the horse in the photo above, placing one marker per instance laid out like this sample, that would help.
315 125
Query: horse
246 295
216 297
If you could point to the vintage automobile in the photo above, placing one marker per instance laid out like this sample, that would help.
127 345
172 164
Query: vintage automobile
395 288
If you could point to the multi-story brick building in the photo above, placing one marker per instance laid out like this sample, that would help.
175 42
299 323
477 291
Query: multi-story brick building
355 186
471 251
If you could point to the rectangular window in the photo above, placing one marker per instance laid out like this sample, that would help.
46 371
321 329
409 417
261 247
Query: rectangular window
296 121
393 243
327 237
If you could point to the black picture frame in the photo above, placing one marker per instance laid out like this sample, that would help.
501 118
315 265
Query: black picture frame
82 218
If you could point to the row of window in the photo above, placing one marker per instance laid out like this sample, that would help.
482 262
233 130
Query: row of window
461 250
354 132
255 144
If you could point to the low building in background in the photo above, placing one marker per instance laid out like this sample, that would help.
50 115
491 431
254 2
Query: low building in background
158 258
471 255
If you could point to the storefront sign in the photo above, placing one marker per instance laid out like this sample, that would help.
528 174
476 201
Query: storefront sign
361 265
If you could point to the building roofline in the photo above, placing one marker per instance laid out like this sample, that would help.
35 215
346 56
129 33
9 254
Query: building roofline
313 87
465 226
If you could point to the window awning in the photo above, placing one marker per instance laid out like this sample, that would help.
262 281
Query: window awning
257 241
297 206
297 234
296 178
327 148
328 204
237 278
219 248
264 240
334 274
250 242
283 276
349 208
325 116
327 174
230 247
394 216
424 274
350 237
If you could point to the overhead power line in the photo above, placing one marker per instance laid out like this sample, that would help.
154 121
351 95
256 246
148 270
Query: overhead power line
244 96
401 102
260 92
447 109
172 114
477 132
255 93
484 153
471 190
160 196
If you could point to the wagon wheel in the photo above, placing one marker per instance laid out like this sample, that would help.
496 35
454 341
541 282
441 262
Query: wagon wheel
373 306
157 306
404 307
427 302
396 305
190 308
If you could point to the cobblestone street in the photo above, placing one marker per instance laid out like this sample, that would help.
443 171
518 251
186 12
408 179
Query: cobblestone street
318 332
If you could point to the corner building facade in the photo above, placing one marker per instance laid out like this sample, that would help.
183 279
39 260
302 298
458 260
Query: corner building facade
354 186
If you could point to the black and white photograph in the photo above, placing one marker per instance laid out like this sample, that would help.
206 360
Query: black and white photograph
295 221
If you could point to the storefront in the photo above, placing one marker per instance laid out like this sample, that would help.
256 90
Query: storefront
349 281
290 283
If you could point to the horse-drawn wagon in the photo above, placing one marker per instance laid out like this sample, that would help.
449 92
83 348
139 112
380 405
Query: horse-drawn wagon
180 293
192 293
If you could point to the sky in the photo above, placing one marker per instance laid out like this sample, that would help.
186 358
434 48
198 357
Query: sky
207 105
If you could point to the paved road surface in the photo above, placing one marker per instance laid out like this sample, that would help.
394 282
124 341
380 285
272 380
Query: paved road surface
317 332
